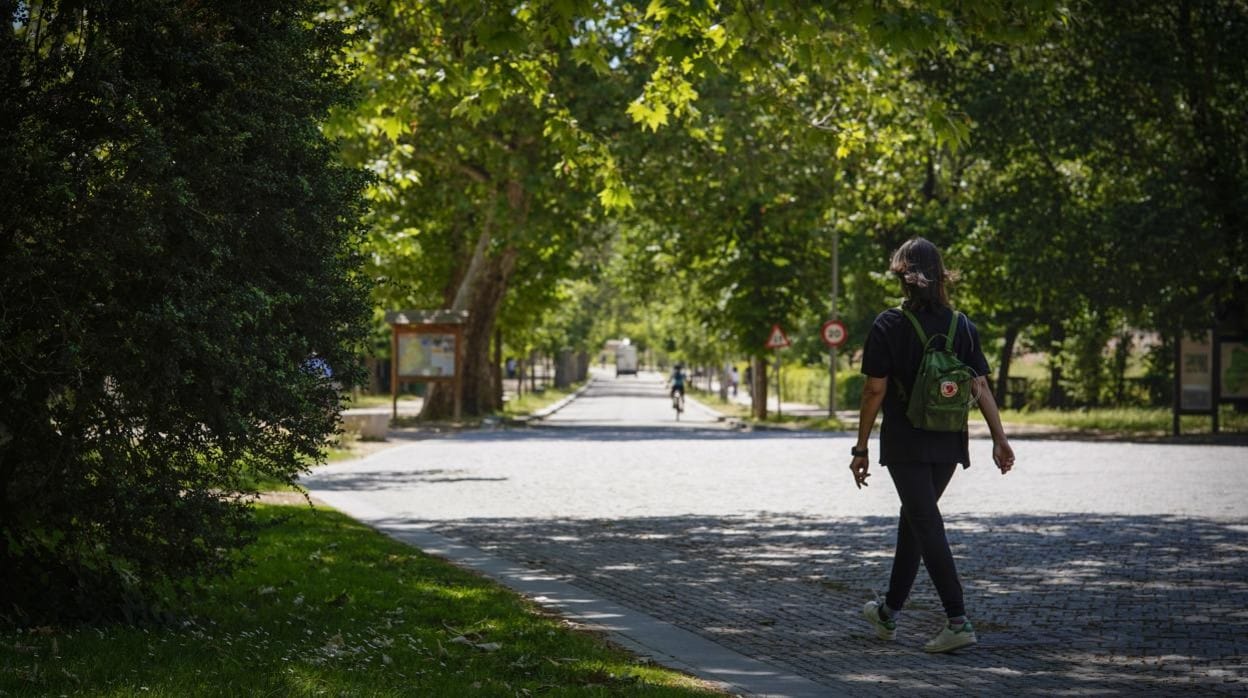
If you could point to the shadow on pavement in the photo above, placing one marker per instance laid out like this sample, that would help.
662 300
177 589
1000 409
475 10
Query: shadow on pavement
384 479
1072 603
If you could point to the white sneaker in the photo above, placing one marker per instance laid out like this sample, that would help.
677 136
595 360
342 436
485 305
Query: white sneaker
884 629
950 639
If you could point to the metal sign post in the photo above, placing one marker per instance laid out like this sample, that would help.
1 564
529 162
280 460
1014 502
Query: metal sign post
834 335
776 339
779 385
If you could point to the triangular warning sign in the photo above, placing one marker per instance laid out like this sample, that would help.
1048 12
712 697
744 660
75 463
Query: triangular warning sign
777 340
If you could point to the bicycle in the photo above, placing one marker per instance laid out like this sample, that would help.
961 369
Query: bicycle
678 403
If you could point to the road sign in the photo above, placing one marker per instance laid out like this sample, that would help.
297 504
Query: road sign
776 339
834 333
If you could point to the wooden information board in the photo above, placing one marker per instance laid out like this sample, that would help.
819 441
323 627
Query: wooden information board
427 346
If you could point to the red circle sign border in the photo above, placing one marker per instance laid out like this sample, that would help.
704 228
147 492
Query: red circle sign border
823 333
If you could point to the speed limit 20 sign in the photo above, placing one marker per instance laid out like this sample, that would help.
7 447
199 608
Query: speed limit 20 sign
834 333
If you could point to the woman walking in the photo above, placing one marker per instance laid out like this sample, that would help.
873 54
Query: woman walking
921 462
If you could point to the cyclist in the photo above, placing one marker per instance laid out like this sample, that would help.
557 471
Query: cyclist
677 381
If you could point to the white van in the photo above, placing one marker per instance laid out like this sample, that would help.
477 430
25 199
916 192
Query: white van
626 360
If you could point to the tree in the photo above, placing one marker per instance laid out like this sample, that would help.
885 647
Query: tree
513 114
478 120
178 241
1105 153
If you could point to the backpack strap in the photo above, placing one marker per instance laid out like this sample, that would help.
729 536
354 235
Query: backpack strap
901 389
917 327
953 330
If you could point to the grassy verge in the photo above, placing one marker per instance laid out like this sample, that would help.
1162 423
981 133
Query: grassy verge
741 412
346 447
333 608
377 400
728 409
1127 420
824 423
532 402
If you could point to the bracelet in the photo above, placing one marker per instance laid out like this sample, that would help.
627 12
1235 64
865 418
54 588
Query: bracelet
859 452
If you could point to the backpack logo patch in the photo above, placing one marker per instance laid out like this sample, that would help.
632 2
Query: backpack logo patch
948 388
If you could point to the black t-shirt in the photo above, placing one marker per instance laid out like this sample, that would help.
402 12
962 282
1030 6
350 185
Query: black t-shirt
893 351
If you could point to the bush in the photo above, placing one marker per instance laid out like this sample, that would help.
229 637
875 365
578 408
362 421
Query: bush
850 387
809 385
176 245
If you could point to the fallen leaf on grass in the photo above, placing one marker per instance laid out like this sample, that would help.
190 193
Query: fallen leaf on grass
483 646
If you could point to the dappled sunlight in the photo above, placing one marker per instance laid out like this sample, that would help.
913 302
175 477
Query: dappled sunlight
1084 601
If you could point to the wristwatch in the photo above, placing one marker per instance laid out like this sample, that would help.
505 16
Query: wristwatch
857 452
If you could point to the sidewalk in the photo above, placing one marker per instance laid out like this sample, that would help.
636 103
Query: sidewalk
750 542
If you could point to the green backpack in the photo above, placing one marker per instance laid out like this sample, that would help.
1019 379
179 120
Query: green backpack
941 399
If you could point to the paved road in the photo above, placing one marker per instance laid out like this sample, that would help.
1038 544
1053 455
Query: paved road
1093 568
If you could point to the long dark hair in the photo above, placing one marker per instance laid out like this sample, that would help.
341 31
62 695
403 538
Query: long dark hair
924 278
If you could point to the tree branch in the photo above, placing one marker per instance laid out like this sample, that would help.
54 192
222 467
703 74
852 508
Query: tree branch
475 173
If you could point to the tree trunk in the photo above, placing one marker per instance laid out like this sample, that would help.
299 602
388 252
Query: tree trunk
1057 394
1122 357
1003 371
498 363
760 387
480 293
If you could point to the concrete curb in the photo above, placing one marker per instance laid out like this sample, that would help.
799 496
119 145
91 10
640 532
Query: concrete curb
638 632
551 409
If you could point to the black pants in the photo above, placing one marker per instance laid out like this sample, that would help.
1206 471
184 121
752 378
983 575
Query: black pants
921 535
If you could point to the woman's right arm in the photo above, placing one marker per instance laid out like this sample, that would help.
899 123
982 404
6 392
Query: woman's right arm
1002 454
872 397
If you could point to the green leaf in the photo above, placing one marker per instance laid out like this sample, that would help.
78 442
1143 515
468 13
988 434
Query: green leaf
616 197
648 116
717 34
392 126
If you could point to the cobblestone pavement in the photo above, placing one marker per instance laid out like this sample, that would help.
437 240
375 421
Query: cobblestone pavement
1094 568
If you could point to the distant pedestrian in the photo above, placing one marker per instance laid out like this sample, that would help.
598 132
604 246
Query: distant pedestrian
921 462
733 379
749 379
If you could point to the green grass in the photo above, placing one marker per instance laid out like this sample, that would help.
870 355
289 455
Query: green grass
331 607
739 411
376 400
339 450
711 400
1129 420
532 402
824 423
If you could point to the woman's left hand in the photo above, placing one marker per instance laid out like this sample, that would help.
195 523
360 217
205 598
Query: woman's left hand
859 465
